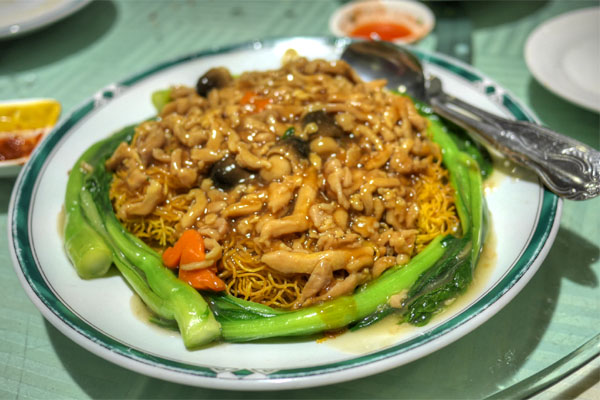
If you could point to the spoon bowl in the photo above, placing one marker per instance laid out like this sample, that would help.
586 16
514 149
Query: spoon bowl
376 60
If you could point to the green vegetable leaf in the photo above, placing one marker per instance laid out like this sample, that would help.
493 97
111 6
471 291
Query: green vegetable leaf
289 132
160 98
448 278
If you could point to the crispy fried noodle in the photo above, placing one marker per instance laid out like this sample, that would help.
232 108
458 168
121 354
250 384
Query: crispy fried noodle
305 181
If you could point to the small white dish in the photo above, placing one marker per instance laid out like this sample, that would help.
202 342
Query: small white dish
563 54
11 168
416 17
49 117
18 17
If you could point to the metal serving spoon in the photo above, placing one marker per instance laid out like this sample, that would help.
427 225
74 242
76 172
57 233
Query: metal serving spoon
567 167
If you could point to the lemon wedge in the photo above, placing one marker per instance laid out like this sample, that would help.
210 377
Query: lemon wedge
18 116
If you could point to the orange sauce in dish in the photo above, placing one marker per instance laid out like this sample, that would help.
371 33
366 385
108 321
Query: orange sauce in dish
17 146
381 30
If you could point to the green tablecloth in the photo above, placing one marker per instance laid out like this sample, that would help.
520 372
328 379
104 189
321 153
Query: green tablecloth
108 40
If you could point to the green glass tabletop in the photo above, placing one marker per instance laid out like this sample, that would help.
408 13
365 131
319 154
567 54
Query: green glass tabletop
546 332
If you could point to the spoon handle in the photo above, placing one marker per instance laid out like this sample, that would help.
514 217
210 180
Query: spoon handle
567 167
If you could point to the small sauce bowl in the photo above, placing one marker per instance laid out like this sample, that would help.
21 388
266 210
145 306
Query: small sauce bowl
23 124
391 20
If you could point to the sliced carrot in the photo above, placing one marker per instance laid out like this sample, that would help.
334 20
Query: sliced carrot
252 98
260 104
193 252
203 279
248 98
171 256
189 248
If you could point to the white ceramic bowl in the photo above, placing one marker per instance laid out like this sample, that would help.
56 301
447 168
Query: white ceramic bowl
411 14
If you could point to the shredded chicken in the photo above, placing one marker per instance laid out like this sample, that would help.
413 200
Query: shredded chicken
152 198
303 175
293 262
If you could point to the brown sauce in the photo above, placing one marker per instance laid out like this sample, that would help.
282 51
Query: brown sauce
142 313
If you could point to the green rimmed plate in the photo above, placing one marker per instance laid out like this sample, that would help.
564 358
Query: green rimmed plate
103 316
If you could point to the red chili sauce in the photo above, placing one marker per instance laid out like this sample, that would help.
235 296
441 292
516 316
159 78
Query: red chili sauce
14 146
382 30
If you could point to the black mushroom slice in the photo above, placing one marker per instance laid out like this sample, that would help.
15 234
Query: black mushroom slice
300 146
325 122
226 173
214 78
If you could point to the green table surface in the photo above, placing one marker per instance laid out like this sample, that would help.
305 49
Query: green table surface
106 41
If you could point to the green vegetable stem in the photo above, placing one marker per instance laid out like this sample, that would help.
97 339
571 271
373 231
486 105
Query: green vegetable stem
160 98
333 314
86 249
452 273
89 211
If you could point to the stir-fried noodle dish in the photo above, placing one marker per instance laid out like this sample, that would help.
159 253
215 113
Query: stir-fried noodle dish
304 182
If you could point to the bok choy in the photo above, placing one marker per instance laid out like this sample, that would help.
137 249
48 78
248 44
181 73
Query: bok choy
94 239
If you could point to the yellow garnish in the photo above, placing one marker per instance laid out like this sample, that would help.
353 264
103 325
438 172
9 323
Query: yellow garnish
28 115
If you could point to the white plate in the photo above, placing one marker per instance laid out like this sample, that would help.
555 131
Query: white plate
525 218
21 16
564 56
